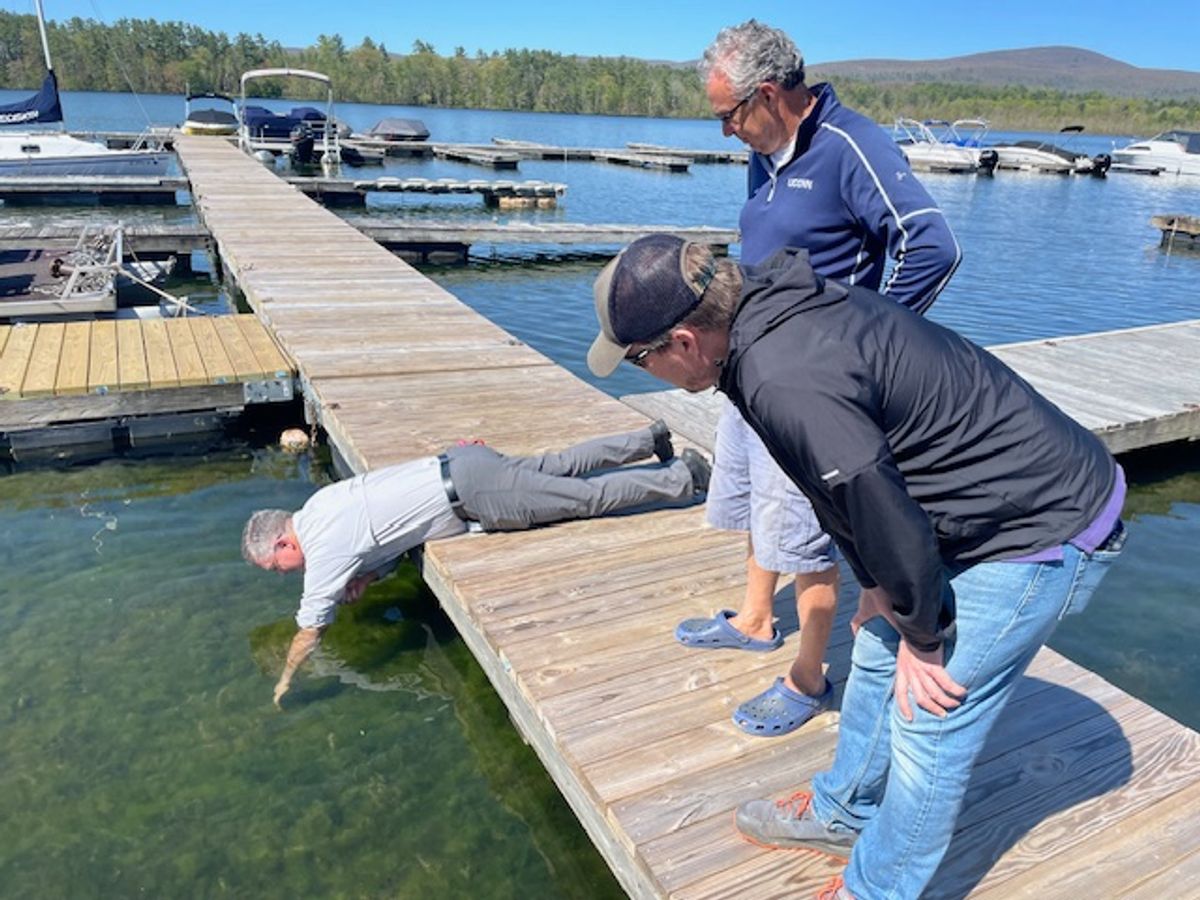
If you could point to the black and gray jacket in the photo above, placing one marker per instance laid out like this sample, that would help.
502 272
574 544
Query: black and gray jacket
921 452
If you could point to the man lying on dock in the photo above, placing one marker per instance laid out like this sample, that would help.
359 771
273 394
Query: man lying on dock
974 513
350 533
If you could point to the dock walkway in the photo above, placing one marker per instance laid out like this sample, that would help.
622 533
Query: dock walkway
334 191
397 233
1133 387
1082 788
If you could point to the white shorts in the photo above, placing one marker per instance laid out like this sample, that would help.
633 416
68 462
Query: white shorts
749 492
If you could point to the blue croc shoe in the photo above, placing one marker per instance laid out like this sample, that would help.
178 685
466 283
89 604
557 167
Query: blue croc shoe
716 633
780 710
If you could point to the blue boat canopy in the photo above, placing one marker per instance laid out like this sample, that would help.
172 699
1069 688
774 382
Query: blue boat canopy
41 107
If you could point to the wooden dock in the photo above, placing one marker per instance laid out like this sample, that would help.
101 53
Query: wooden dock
645 156
468 152
155 238
643 160
1082 789
133 189
101 375
1134 387
104 190
353 192
704 157
405 235
1179 232
478 156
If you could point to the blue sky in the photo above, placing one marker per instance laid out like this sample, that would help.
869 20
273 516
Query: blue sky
826 32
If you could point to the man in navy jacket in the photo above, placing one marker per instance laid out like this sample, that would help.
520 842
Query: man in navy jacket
974 513
829 180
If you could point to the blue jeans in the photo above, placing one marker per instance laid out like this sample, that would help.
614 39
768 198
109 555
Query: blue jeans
1004 613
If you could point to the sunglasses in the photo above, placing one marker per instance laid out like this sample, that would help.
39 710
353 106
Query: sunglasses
639 359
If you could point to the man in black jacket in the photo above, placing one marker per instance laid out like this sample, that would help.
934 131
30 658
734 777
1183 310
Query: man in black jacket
973 512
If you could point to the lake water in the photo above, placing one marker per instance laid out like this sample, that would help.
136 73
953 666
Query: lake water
141 753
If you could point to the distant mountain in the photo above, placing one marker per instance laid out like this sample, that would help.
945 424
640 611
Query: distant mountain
1059 68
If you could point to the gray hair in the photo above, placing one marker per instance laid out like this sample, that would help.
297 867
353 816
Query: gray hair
751 53
720 299
263 530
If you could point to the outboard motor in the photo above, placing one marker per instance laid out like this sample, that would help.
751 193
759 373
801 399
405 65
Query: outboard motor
301 138
987 161
1100 164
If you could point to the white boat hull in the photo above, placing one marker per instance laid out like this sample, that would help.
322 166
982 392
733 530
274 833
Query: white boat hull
1025 160
1167 162
48 155
944 158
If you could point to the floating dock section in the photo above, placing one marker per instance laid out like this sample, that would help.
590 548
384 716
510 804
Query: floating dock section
1082 789
100 383
409 236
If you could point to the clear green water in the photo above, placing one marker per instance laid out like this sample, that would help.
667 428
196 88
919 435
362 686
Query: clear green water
140 754
1139 631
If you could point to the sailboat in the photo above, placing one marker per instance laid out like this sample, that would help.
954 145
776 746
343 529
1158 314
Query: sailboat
56 153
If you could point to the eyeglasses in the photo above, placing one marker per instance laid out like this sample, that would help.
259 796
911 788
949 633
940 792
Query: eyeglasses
639 359
726 117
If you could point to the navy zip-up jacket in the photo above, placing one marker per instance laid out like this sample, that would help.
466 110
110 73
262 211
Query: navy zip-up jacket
848 197
921 452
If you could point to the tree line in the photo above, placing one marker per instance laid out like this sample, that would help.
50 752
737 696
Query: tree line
148 56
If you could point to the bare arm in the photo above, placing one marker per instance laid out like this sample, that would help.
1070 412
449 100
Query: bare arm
303 644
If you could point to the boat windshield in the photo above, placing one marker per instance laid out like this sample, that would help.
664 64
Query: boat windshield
1188 140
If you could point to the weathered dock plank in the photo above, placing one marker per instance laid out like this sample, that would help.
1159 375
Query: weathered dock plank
1179 232
398 234
137 238
644 160
478 156
107 189
735 157
573 623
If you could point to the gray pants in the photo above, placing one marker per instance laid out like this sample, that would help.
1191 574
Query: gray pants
511 493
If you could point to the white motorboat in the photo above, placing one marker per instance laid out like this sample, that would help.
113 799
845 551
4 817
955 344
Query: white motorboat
1171 153
958 147
1043 156
206 119
53 153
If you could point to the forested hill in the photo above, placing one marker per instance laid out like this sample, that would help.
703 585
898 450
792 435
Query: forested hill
1068 69
169 57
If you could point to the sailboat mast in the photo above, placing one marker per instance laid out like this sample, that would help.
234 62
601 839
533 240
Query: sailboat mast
42 30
